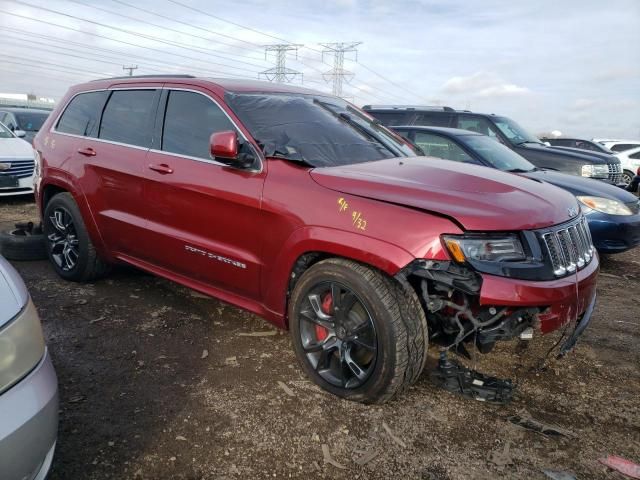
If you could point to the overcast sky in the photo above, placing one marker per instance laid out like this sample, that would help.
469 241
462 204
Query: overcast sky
571 65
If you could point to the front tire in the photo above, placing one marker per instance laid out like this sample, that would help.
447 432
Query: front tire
69 247
627 177
357 332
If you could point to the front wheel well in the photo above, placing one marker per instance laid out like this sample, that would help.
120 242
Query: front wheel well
48 193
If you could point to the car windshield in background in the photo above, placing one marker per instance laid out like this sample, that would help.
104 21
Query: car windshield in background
317 130
514 132
5 132
499 156
31 121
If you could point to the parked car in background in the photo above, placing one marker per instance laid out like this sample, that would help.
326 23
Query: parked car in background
618 145
28 385
575 162
630 161
577 143
16 164
27 120
297 206
613 213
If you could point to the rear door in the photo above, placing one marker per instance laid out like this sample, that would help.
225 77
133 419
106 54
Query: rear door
113 131
205 221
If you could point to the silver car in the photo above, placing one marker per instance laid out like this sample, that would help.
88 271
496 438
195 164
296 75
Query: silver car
28 385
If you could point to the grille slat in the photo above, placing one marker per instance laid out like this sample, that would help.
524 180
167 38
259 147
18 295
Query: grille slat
615 172
19 168
570 247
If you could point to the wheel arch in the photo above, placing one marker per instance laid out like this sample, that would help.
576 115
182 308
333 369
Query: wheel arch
309 245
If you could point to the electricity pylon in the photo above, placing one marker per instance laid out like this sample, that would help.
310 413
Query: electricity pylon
338 74
280 73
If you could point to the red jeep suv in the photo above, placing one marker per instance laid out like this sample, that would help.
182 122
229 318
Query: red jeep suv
303 209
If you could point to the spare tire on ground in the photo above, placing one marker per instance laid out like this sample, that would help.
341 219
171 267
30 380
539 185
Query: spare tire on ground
25 242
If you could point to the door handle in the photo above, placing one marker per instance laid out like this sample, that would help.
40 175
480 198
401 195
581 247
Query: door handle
163 168
88 152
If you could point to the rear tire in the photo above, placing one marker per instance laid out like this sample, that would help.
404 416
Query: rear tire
69 247
385 313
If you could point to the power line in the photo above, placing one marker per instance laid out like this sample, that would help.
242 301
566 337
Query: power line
116 40
131 68
280 73
164 27
140 35
67 68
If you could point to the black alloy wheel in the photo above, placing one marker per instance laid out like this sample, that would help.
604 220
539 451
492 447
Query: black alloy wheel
338 335
63 240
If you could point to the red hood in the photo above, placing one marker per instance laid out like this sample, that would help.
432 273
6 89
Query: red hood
479 198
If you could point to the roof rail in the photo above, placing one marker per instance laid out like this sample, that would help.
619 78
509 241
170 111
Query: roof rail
168 75
408 107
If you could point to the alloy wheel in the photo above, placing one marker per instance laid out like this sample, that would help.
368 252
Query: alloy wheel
338 335
63 241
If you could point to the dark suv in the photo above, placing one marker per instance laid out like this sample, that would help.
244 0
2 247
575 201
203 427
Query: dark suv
297 206
586 163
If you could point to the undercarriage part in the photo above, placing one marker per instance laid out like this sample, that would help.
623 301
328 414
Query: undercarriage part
455 378
450 297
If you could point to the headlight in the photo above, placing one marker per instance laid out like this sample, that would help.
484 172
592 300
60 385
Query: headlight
605 205
595 171
486 248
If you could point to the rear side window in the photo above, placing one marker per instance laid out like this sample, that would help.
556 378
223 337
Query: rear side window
621 147
635 156
82 115
128 116
189 121
434 119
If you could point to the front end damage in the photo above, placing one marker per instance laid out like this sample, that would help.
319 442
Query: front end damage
467 309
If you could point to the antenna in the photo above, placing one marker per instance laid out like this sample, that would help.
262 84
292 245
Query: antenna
280 73
338 74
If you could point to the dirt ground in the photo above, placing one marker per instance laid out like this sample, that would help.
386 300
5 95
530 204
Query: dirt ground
157 381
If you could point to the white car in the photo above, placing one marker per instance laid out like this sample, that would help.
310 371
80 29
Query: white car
617 145
16 164
629 161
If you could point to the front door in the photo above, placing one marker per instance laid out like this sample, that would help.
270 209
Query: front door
204 216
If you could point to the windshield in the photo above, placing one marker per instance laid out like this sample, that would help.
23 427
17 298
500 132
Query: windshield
5 132
514 132
316 130
31 121
496 154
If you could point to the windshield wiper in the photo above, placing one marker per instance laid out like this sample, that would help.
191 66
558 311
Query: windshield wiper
529 141
352 123
520 170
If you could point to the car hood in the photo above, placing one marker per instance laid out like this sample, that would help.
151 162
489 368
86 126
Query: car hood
15 148
586 156
13 293
478 198
581 185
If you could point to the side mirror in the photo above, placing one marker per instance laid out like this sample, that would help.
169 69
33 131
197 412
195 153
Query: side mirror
225 147
19 133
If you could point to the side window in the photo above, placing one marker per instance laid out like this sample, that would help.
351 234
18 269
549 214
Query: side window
478 125
189 121
635 156
82 115
441 147
127 118
621 147
434 119
391 119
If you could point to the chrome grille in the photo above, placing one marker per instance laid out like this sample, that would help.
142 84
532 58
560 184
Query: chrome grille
615 172
569 246
19 168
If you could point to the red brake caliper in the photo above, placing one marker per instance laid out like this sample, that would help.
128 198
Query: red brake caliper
327 305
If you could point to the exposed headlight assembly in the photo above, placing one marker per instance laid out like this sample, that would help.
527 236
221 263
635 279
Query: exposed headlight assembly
604 205
595 171
485 248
